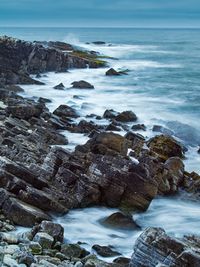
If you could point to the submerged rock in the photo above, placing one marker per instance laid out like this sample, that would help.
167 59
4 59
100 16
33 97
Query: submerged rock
82 85
120 221
112 72
60 86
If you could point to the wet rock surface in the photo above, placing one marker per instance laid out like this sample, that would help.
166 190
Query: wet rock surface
155 248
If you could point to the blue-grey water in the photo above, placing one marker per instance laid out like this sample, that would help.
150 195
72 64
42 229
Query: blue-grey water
162 87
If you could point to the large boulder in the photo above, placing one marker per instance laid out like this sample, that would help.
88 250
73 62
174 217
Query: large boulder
106 143
23 214
155 248
25 111
164 147
126 116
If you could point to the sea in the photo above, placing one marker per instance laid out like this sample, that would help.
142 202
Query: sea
162 87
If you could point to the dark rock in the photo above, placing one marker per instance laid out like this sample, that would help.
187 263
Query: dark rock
165 147
120 221
112 127
74 251
136 142
82 85
112 72
23 214
14 88
65 111
99 43
25 111
161 129
126 116
104 143
122 261
44 100
105 251
53 229
138 127
154 247
60 86
110 114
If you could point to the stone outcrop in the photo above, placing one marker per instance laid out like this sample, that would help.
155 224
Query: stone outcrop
32 58
155 248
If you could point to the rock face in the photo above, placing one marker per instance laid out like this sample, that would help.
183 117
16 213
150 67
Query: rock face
82 85
155 248
32 58
165 147
59 86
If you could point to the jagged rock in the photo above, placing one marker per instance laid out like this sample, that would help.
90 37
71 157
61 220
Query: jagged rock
155 248
120 221
105 251
65 111
53 229
110 114
138 127
23 214
60 86
112 72
164 147
82 85
43 100
136 142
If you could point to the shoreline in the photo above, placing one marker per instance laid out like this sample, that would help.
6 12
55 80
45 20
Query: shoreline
101 172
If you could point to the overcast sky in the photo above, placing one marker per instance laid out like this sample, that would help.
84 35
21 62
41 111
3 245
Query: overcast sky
113 13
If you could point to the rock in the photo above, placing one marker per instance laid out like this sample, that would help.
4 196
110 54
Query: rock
161 129
104 143
122 261
120 221
53 229
43 100
105 251
35 248
14 88
44 239
74 251
136 142
110 114
138 127
164 147
112 72
126 116
155 248
112 127
82 85
65 111
60 86
25 111
99 43
23 214
26 258
9 238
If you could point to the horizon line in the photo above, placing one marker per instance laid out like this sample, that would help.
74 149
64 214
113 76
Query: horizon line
103 27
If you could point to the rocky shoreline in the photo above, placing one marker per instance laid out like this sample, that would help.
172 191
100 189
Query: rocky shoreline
38 177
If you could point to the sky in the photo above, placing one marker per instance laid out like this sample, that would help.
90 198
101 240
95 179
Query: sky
100 13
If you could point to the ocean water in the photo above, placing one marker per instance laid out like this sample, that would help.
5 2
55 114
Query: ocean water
162 87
